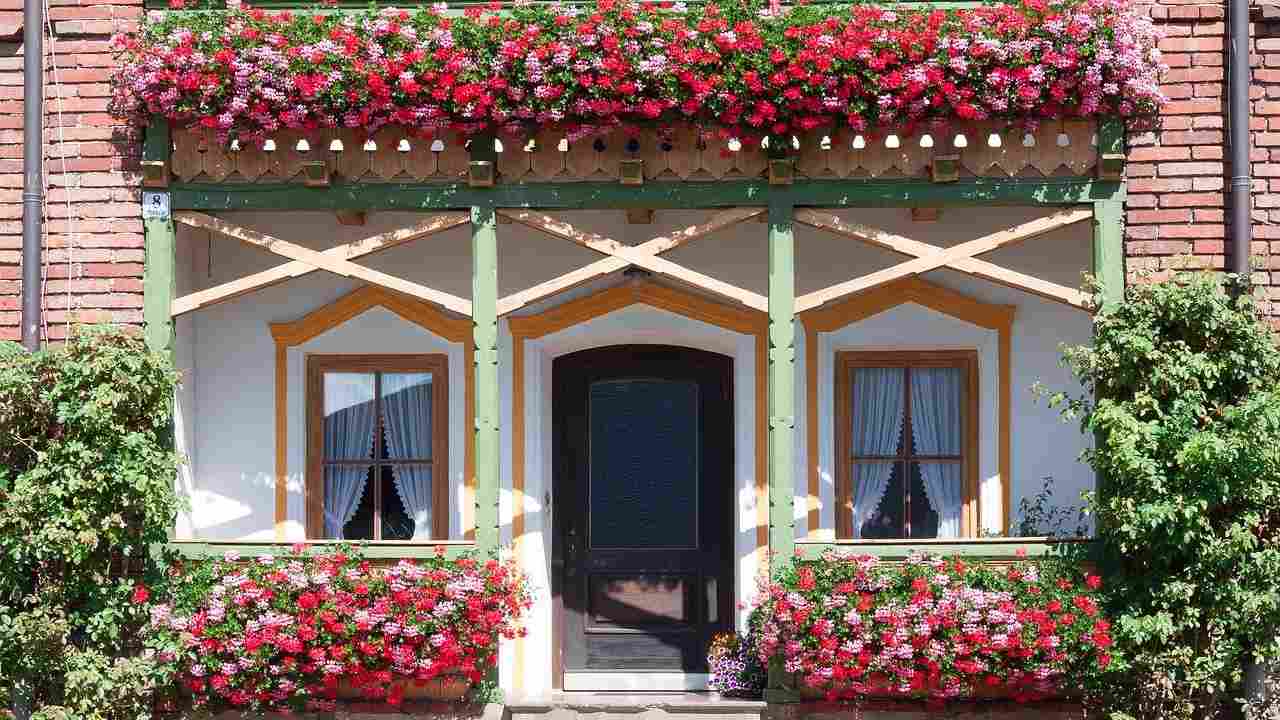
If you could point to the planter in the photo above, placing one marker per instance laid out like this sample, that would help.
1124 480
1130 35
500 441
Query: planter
446 688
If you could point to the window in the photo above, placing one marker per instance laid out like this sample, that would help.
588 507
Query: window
377 447
906 439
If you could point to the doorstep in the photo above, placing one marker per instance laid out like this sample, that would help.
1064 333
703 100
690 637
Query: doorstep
634 706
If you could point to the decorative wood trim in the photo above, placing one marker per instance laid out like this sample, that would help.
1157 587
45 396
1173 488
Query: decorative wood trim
971 265
326 318
282 439
323 319
986 243
762 447
647 259
517 482
604 302
660 244
967 361
296 268
320 260
811 428
435 363
948 302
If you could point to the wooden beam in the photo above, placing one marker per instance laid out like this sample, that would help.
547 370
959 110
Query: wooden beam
646 258
296 268
1108 249
1052 191
949 256
660 244
972 266
322 261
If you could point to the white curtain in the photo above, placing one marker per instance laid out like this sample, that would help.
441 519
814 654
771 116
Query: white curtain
406 408
348 435
877 425
937 420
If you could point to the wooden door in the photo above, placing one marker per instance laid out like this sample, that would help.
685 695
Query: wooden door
643 560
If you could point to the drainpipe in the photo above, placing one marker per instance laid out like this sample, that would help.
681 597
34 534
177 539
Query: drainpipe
1238 122
1238 113
32 175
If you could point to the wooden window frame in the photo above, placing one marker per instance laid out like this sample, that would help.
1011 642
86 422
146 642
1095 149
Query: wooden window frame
846 361
438 365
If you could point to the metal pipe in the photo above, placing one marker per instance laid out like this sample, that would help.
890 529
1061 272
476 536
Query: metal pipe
1238 121
32 172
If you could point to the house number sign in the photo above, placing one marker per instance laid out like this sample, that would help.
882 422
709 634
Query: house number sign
155 206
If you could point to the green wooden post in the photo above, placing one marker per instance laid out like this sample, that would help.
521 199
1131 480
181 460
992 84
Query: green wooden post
159 283
1108 214
782 358
484 315
1108 248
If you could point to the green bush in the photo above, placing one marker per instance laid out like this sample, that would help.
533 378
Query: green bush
1183 398
86 482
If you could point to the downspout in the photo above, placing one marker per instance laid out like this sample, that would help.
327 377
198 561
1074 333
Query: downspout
32 173
1238 122
1238 115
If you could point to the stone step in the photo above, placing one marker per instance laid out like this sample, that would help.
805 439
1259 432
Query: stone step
635 706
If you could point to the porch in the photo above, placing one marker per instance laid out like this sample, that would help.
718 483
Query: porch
799 288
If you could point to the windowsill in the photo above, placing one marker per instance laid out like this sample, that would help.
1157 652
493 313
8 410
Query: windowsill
380 550
995 548
1036 540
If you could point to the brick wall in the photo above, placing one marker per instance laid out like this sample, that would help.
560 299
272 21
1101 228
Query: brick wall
1178 214
93 230
94 250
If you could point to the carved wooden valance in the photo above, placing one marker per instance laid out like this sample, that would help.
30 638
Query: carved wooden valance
1058 148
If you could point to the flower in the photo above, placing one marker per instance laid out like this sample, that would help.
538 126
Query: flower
140 595
247 73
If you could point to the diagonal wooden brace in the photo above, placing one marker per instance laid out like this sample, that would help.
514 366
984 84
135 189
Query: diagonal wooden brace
942 258
322 261
620 256
296 268
972 266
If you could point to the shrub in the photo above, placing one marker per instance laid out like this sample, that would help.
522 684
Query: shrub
286 632
1181 386
934 628
86 482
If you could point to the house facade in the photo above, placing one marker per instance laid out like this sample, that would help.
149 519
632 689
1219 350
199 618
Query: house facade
649 370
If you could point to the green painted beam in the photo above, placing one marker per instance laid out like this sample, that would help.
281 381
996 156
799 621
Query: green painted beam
484 312
196 549
782 362
159 275
654 194
1108 248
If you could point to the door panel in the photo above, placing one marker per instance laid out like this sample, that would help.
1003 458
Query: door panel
643 548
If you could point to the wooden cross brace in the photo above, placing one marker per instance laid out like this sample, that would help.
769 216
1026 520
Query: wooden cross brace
336 260
930 257
644 255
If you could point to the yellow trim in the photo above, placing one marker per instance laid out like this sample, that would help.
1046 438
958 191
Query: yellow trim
517 481
948 302
327 317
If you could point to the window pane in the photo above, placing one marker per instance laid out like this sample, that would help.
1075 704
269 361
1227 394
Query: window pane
878 500
396 523
937 410
877 402
941 485
406 412
360 524
348 416
644 440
